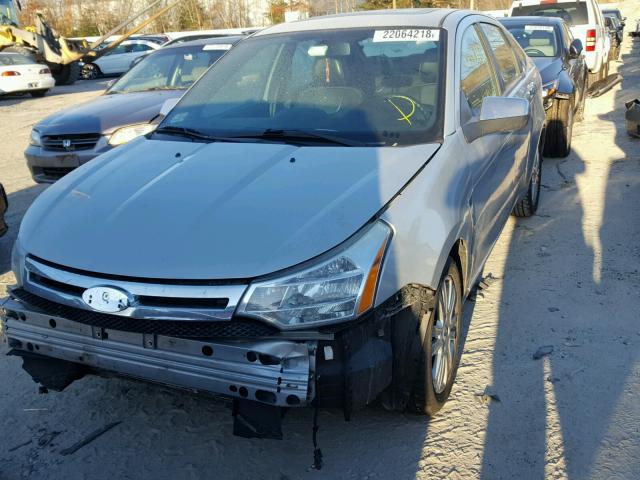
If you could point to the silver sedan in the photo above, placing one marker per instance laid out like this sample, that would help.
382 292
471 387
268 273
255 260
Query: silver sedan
302 228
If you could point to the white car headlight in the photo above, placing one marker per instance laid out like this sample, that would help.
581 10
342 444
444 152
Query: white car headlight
334 290
550 88
126 134
35 138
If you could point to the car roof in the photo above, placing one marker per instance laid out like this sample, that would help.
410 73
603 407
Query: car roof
427 17
207 41
534 20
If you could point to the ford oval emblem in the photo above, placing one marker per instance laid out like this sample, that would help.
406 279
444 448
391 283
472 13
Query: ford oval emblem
106 299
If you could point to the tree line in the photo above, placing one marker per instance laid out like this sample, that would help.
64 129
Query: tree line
76 18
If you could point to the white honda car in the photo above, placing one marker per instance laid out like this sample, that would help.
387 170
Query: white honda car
21 74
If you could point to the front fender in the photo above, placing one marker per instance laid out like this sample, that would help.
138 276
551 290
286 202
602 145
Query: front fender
428 217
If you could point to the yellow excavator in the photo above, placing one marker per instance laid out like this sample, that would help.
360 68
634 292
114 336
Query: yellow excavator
62 55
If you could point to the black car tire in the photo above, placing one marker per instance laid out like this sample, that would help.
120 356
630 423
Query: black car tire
39 93
559 129
424 397
91 71
528 205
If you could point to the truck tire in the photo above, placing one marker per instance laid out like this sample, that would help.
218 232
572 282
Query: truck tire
559 129
528 205
66 74
440 331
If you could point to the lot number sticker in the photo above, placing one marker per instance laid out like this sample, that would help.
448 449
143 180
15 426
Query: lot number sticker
406 35
538 28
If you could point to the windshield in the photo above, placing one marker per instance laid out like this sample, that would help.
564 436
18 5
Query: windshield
170 69
535 40
369 86
7 59
572 13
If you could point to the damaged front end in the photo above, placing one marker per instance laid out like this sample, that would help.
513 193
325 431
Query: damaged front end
262 370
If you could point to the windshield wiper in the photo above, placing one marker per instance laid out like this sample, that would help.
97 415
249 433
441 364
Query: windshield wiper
296 136
195 135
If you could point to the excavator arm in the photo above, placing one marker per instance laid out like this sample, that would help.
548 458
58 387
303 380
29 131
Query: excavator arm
62 54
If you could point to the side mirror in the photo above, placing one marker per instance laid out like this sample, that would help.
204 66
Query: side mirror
168 105
498 115
575 49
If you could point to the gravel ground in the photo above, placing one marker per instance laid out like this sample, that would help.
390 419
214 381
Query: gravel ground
567 278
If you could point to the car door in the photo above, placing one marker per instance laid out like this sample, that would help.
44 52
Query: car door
497 159
478 79
108 63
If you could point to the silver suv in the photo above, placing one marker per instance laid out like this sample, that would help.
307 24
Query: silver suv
302 228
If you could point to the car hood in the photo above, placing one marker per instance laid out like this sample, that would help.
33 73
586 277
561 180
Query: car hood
107 112
549 68
182 210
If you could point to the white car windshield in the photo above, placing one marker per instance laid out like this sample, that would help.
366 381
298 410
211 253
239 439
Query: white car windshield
364 86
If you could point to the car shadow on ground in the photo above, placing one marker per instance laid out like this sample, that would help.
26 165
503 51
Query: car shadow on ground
577 391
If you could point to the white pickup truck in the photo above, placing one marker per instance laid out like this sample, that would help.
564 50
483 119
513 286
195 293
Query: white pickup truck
586 22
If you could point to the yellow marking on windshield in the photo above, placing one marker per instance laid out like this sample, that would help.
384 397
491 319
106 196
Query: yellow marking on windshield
403 116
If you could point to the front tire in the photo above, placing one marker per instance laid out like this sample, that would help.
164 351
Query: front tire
91 71
559 129
440 332
528 205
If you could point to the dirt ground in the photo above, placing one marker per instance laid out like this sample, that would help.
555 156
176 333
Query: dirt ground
567 278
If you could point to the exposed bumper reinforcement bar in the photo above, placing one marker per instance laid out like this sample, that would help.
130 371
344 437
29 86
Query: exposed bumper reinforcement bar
274 372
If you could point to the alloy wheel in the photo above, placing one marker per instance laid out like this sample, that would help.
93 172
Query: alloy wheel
444 335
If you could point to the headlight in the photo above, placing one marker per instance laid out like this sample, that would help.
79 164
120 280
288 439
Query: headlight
333 290
550 88
35 138
126 134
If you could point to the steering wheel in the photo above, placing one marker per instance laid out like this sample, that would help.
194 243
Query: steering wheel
407 107
533 51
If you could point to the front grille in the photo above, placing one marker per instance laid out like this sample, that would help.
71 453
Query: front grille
235 328
70 143
55 172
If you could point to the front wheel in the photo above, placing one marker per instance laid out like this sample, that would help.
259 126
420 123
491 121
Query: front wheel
528 205
90 71
440 333
559 129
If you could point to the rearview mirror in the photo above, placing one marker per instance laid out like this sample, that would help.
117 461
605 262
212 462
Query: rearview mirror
168 105
575 49
498 115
